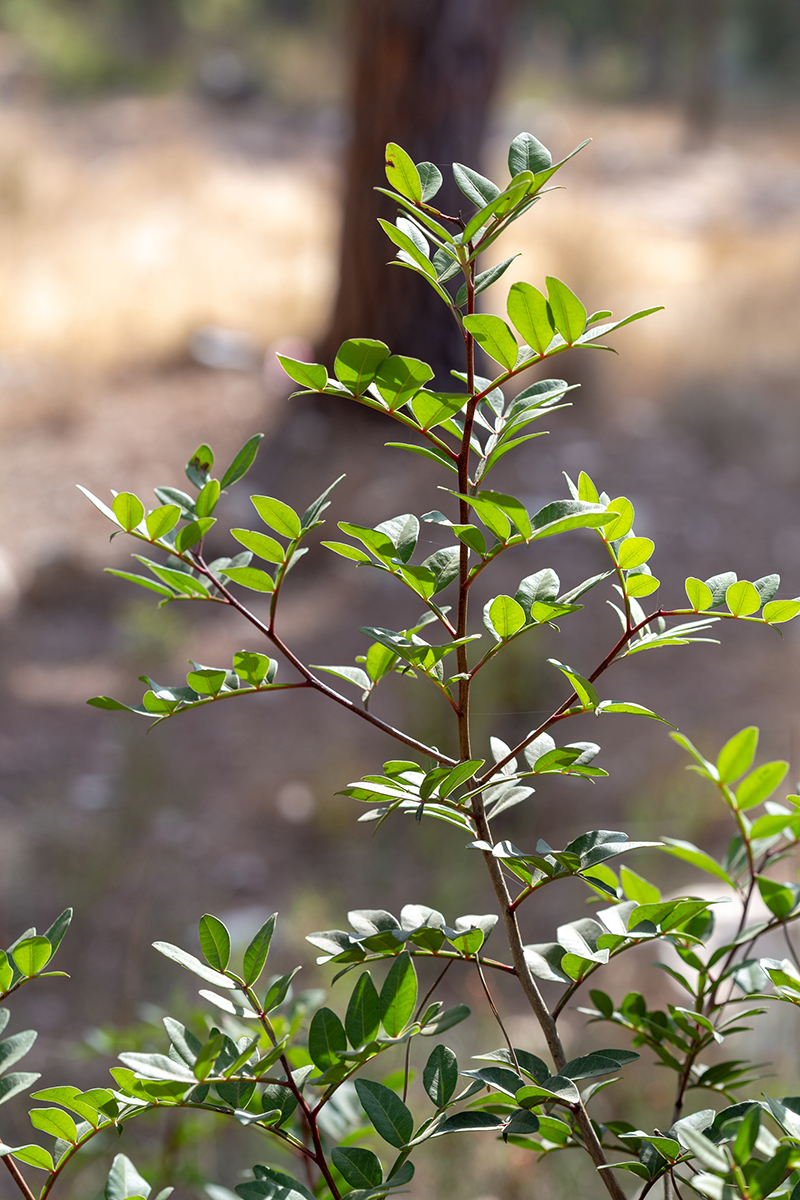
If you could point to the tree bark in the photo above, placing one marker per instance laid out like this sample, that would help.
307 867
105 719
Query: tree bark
424 75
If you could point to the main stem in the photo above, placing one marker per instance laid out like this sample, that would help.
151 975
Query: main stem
529 985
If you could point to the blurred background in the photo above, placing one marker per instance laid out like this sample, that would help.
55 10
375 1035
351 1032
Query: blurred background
185 187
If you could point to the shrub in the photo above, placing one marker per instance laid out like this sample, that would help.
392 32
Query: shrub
314 1081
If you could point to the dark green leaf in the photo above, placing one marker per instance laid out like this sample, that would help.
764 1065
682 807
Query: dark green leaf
361 1168
398 995
363 1019
326 1039
440 1076
387 1112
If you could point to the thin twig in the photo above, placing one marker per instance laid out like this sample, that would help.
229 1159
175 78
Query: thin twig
497 1016
16 1175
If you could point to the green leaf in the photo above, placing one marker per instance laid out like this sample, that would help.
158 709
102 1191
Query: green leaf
780 898
255 956
363 1019
469 1122
399 379
742 598
644 584
206 682
698 858
253 668
55 933
634 552
261 545
737 755
242 462
402 173
531 316
17 1081
358 361
142 581
476 187
308 375
636 888
387 1112
32 955
360 1168
430 178
586 691
190 963
494 337
103 508
760 784
34 1156
504 617
564 515
124 1181
398 995
277 515
192 533
56 1122
181 581
699 594
161 520
252 578
128 509
636 710
780 610
569 315
770 1173
208 499
440 1077
199 465
326 1039
215 942
623 523
13 1048
527 153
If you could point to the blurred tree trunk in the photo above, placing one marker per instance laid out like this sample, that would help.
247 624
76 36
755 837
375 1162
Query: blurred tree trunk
701 104
425 72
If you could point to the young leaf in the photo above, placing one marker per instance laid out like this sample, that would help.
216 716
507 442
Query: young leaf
760 784
128 509
357 363
737 755
742 598
699 594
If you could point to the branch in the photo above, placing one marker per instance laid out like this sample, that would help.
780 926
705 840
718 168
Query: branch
316 683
